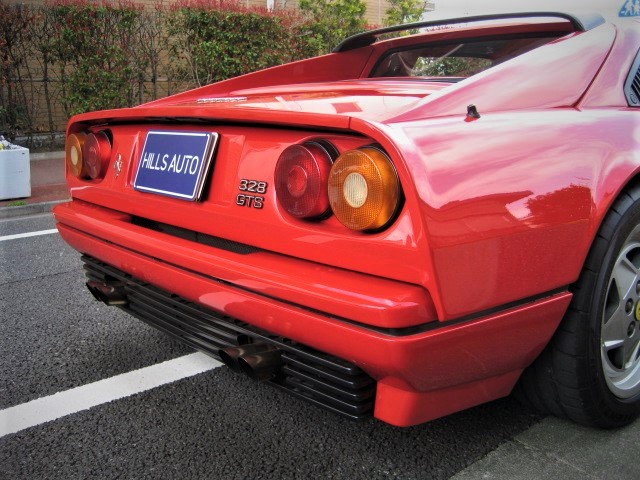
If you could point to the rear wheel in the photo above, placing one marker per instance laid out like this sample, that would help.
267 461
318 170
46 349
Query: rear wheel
620 335
590 371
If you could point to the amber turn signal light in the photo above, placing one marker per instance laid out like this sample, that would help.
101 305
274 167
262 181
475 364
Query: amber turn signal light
364 191
87 155
73 154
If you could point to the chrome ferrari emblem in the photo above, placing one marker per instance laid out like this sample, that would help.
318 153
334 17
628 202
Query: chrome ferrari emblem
117 166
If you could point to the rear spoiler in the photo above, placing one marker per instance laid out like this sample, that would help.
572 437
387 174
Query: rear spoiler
580 22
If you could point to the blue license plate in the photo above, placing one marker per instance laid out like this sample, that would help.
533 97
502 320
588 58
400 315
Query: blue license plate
175 164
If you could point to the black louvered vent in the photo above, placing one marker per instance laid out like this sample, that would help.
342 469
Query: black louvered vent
632 85
321 379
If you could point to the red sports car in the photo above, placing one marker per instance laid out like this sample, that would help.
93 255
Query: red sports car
406 227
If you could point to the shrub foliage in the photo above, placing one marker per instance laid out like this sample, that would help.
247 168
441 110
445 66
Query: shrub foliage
330 21
73 56
216 40
92 48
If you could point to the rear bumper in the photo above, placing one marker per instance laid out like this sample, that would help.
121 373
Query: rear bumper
361 298
422 372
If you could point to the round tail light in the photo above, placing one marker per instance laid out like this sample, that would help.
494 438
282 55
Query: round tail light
301 177
73 154
364 191
96 153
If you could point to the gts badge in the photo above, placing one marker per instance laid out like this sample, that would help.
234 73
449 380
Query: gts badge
252 191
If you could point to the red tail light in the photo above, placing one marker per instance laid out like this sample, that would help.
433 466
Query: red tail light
96 153
301 178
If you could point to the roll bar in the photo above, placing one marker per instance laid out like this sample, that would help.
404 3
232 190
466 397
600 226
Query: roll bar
580 22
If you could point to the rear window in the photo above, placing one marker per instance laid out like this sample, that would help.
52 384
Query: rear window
454 59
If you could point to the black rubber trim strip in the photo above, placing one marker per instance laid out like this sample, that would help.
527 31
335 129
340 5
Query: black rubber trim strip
392 332
580 22
193 236
500 308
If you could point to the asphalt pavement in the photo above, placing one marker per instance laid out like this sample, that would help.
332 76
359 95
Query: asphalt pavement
56 339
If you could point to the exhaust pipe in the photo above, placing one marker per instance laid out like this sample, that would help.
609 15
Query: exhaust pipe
109 293
261 366
259 361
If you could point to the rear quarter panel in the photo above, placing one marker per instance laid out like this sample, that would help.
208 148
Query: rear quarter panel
511 202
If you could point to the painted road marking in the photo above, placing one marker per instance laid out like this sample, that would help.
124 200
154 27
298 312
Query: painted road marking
46 409
28 234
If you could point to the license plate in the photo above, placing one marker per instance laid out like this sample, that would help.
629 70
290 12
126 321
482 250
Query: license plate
175 164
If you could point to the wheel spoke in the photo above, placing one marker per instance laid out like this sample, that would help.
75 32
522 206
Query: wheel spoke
625 275
610 370
614 331
633 347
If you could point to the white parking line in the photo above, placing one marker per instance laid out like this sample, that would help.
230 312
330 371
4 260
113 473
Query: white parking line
28 234
46 409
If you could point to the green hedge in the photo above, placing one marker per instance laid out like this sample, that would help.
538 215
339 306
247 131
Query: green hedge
92 46
73 56
214 44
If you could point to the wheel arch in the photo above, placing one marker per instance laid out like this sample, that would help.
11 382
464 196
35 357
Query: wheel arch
607 192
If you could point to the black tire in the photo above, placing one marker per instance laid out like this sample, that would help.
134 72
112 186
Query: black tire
580 375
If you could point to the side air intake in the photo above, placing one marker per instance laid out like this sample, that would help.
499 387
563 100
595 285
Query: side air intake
632 85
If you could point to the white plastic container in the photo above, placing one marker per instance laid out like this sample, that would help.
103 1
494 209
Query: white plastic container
15 173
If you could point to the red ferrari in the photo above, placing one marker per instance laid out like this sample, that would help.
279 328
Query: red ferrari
425 219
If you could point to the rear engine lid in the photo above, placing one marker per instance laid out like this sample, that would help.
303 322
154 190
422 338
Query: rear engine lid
372 99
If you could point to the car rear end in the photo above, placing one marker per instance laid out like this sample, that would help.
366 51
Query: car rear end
282 231
247 262
223 235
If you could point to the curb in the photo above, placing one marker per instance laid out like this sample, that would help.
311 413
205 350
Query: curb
46 155
31 209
